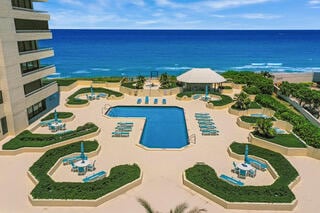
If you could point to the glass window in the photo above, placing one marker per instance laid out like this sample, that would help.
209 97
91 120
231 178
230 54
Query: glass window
1 98
4 125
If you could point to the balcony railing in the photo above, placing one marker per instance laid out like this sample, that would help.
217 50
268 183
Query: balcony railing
29 10
35 51
33 31
41 88
38 70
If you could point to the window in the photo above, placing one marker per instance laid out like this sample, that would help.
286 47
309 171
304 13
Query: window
36 109
32 86
27 46
1 98
29 66
4 125
22 3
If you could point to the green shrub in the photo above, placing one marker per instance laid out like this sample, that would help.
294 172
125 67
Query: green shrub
72 100
28 139
301 126
61 115
252 90
279 192
287 140
224 101
249 119
49 189
131 85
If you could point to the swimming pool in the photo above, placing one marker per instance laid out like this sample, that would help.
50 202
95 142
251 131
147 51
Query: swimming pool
165 127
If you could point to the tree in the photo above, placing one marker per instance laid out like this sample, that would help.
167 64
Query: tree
164 80
140 82
181 208
242 101
264 128
267 74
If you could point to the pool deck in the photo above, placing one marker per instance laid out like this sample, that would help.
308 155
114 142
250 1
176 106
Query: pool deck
162 182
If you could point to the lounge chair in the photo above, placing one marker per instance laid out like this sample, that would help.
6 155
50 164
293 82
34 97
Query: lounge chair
164 101
257 164
146 100
125 123
68 160
209 133
81 171
53 128
231 180
73 168
91 167
201 113
252 173
139 101
94 177
155 101
242 174
235 168
196 96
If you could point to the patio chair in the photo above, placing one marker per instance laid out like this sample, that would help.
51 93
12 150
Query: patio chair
252 173
242 174
164 101
235 168
81 171
146 100
52 128
74 168
91 167
139 101
155 101
63 127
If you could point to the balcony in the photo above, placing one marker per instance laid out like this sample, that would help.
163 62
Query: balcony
30 14
36 55
38 73
25 35
41 93
27 25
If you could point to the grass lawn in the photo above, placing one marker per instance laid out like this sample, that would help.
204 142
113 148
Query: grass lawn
61 115
287 140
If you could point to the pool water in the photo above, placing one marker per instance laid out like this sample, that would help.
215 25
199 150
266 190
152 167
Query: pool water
165 127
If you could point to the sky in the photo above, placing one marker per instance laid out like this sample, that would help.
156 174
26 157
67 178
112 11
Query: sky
183 14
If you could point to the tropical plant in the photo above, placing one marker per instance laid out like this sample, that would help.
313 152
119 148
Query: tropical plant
181 208
242 101
140 82
164 80
264 128
267 74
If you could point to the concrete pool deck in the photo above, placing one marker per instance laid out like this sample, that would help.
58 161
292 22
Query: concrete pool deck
162 182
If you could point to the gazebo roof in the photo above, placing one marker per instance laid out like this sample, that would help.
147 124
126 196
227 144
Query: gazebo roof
201 75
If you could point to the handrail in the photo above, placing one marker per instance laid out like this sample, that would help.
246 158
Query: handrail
28 9
35 51
38 70
41 88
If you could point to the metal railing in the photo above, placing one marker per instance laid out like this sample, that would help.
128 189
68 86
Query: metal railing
38 70
33 31
35 51
41 88
28 10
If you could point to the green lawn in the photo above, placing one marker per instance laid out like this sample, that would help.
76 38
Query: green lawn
61 115
69 81
287 140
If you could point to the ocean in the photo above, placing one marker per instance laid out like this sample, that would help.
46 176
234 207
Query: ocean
87 53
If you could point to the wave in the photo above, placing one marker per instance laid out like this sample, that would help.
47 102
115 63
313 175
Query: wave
100 69
275 67
57 73
173 68
81 72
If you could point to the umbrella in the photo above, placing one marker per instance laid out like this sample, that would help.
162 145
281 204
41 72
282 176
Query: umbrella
207 92
91 89
82 155
55 116
246 153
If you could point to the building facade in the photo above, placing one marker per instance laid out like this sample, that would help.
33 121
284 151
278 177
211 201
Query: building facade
24 94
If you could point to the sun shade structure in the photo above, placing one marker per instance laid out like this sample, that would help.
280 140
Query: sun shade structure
201 76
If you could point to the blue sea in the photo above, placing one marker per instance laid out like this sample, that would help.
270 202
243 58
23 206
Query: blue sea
84 53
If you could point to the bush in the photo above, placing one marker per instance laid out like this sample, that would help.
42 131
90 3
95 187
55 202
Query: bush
49 189
287 140
252 90
249 119
224 101
301 126
28 139
61 115
279 192
131 85
74 101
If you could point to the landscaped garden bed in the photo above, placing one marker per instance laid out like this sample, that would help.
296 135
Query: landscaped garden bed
69 81
61 115
72 100
49 189
279 192
287 140
225 100
28 139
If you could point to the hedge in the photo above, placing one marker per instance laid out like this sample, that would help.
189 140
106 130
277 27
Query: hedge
279 192
224 100
287 140
61 115
49 189
69 81
74 101
301 126
252 105
130 84
28 139
251 119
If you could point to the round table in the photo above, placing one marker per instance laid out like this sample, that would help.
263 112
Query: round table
82 163
56 124
244 166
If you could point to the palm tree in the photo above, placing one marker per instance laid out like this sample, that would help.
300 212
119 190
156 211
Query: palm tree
264 128
242 101
181 208
140 82
164 80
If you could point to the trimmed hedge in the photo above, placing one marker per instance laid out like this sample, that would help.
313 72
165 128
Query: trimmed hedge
74 101
287 140
252 105
69 81
61 115
279 192
301 126
28 139
49 189
251 119
130 84
224 100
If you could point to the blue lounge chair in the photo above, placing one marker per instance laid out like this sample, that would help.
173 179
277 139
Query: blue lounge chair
201 113
252 173
94 177
125 123
91 167
209 133
231 180
242 174
155 101
196 96
257 164
146 100
81 171
164 101
139 101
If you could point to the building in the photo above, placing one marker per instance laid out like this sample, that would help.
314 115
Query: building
24 95
197 79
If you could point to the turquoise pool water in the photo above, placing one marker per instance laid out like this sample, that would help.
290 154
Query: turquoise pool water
165 127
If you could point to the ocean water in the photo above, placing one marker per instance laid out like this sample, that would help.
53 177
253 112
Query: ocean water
83 53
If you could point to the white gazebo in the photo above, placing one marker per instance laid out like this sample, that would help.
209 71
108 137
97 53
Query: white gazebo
199 78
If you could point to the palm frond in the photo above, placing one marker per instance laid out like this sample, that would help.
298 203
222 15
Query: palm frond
180 208
197 210
146 205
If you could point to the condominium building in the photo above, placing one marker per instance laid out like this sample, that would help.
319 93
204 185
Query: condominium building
24 94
